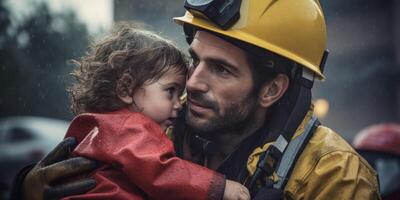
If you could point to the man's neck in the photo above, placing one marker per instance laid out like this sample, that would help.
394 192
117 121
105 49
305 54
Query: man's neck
229 141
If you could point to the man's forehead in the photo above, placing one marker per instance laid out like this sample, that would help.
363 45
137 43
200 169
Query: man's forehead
213 49
208 39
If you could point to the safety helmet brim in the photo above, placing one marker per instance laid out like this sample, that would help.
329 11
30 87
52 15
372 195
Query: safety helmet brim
247 38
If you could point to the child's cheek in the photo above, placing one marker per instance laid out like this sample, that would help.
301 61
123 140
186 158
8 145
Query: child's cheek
162 111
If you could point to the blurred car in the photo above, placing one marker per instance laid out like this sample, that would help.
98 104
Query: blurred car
24 140
379 144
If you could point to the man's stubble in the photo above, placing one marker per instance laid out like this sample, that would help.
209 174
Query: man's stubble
236 118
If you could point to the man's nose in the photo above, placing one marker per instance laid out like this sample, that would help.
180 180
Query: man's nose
197 79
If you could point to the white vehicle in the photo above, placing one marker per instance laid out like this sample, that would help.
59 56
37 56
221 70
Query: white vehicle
24 140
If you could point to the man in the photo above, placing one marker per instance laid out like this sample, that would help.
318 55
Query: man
249 112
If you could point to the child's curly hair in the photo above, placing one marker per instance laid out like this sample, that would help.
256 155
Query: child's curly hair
118 65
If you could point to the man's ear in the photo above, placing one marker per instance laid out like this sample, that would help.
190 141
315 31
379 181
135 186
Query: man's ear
124 88
273 91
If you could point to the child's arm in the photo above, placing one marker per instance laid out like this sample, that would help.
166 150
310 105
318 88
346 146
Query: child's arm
144 153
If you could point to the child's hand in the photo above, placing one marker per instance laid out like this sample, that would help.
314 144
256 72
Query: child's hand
235 191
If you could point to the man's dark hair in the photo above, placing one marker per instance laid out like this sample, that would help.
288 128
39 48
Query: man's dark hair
265 66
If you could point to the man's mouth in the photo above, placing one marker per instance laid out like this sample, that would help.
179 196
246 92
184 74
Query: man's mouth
198 107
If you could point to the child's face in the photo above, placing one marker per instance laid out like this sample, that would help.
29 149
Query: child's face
160 100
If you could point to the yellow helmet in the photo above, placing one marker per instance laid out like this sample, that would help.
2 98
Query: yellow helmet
294 29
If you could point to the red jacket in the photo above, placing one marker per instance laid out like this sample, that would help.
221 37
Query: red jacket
138 160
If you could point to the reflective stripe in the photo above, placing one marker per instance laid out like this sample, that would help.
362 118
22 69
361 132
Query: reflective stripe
308 74
281 143
291 154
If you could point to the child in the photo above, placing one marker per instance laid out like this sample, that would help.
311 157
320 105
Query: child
126 94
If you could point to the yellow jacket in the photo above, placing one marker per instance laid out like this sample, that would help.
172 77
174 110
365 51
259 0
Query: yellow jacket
328 168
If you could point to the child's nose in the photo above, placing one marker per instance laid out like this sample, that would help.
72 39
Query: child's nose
177 105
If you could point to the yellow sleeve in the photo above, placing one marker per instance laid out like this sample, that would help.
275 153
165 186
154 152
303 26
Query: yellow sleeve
339 175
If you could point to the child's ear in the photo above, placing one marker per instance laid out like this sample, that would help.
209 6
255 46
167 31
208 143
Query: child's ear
273 91
124 88
126 99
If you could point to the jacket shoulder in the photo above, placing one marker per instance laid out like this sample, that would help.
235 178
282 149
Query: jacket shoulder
325 141
328 161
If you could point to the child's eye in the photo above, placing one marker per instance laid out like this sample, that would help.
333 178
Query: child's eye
170 91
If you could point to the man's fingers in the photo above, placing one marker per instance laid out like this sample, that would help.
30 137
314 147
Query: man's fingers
67 168
74 188
62 151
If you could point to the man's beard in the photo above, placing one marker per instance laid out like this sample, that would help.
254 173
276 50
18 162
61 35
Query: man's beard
237 117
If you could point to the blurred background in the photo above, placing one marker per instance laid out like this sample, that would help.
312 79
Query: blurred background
38 37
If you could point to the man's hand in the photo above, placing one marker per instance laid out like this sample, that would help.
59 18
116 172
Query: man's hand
54 167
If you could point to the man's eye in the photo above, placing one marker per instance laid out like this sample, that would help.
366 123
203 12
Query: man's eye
221 70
